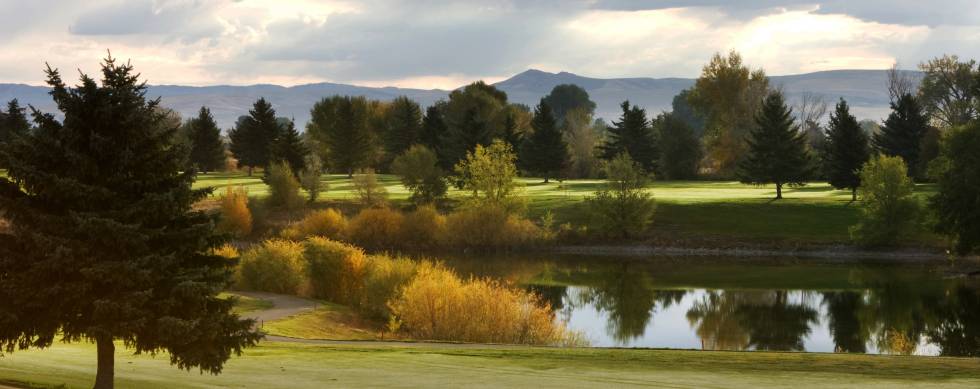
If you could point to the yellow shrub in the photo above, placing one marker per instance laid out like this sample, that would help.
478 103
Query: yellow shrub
490 227
385 277
437 305
236 219
275 266
227 251
423 228
328 223
336 270
376 228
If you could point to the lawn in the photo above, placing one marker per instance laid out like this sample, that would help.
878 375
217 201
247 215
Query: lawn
282 365
694 211
328 321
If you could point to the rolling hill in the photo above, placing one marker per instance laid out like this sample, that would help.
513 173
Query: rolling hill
865 90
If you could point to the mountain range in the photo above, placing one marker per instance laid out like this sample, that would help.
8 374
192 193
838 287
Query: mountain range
865 90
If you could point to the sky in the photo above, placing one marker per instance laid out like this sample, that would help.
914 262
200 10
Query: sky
444 44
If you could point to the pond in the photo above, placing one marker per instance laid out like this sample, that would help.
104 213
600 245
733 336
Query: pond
740 304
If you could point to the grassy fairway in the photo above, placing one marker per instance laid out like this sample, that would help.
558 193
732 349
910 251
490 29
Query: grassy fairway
329 321
279 365
700 210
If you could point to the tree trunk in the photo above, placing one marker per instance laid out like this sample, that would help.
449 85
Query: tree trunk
779 191
106 356
249 171
546 180
854 194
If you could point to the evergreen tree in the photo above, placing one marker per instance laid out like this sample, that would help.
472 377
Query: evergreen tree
633 135
902 131
680 149
957 202
682 110
340 124
403 127
545 151
103 242
207 151
845 150
253 136
289 148
433 126
14 122
777 149
512 133
474 115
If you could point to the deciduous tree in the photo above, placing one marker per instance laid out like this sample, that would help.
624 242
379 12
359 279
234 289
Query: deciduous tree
957 202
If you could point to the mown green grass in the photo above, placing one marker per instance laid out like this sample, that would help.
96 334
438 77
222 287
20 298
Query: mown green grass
328 321
692 210
245 304
281 365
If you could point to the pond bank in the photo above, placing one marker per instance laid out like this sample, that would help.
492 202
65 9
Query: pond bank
826 254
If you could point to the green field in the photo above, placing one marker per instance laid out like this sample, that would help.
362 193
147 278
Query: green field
698 212
281 365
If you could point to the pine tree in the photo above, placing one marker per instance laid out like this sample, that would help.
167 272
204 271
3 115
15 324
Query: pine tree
777 149
633 135
474 115
289 148
340 123
103 242
253 136
207 150
680 148
902 131
846 149
545 151
14 122
403 127
512 133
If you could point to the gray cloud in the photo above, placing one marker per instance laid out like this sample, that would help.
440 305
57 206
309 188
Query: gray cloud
187 21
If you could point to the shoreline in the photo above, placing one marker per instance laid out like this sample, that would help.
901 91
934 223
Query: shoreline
846 253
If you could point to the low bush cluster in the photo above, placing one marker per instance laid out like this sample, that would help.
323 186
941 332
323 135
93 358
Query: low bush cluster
437 304
274 266
376 228
236 217
328 223
424 299
488 226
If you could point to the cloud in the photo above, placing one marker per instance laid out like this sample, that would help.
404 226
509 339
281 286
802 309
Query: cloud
441 43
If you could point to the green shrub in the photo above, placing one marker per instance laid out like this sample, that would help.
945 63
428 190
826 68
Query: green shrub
236 218
275 266
283 187
376 228
310 178
423 228
890 212
488 226
385 278
490 173
336 271
328 223
623 208
419 170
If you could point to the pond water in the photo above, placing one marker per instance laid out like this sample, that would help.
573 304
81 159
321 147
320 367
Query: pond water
739 304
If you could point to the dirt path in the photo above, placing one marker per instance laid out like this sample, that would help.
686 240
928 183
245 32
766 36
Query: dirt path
282 306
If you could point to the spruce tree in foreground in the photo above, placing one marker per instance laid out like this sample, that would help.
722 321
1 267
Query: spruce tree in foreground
253 136
544 152
845 151
777 149
902 132
13 124
632 135
207 150
103 243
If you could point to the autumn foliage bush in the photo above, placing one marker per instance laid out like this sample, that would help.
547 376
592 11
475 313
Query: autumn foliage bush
385 277
423 228
336 270
328 223
376 228
488 226
275 266
236 218
437 304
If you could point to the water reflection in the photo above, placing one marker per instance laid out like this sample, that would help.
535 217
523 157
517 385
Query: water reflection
751 306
